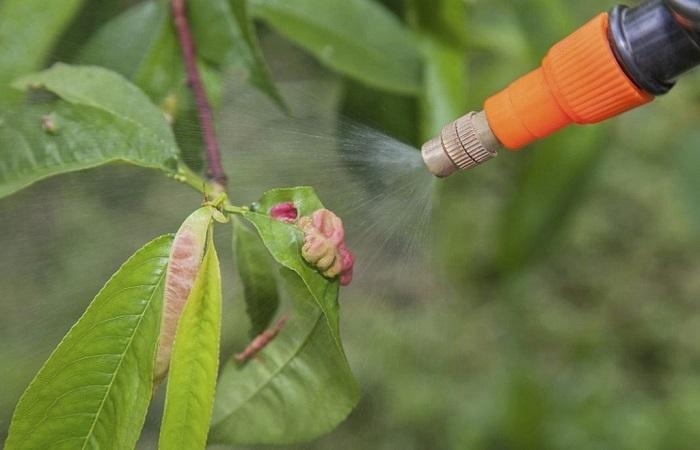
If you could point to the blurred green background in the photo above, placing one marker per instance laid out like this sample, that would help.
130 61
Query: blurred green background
553 304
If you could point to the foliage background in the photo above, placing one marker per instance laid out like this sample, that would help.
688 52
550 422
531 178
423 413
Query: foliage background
566 316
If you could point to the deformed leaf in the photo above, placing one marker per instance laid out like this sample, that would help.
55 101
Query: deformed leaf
184 266
284 242
256 273
195 360
359 38
94 390
300 385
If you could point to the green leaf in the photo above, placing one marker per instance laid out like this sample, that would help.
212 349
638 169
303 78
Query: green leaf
140 44
28 30
94 390
225 37
195 361
358 38
44 140
255 270
300 385
104 90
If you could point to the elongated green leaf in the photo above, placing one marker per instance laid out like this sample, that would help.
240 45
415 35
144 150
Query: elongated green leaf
105 90
226 37
94 389
44 140
358 38
140 44
195 360
300 385
256 272
28 29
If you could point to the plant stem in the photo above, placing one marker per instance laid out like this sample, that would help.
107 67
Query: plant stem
206 118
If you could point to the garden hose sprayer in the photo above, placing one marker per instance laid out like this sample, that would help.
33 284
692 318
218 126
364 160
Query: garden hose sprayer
614 63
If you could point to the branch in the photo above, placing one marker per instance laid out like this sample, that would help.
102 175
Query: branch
206 118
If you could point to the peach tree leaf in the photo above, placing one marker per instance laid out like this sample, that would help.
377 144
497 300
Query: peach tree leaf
255 271
103 119
358 38
195 361
300 385
94 390
186 259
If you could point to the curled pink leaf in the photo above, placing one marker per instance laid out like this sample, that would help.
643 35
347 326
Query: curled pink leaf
183 266
260 341
324 245
284 212
347 262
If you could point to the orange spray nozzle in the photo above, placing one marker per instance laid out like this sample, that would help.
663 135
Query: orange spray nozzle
579 81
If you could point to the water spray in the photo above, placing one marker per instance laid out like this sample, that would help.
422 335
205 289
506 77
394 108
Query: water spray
616 62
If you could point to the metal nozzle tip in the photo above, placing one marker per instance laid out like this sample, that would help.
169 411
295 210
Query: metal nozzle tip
462 144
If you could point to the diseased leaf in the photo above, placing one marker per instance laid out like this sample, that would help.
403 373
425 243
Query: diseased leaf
358 38
256 273
28 30
94 390
297 388
195 360
185 262
300 385
284 242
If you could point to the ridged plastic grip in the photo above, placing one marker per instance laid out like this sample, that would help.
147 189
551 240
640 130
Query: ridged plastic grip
580 81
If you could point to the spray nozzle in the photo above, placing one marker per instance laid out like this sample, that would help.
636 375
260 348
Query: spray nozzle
462 144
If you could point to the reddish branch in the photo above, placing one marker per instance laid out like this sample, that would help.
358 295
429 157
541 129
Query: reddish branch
206 117
260 341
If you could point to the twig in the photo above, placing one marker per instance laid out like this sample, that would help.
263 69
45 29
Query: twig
206 118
